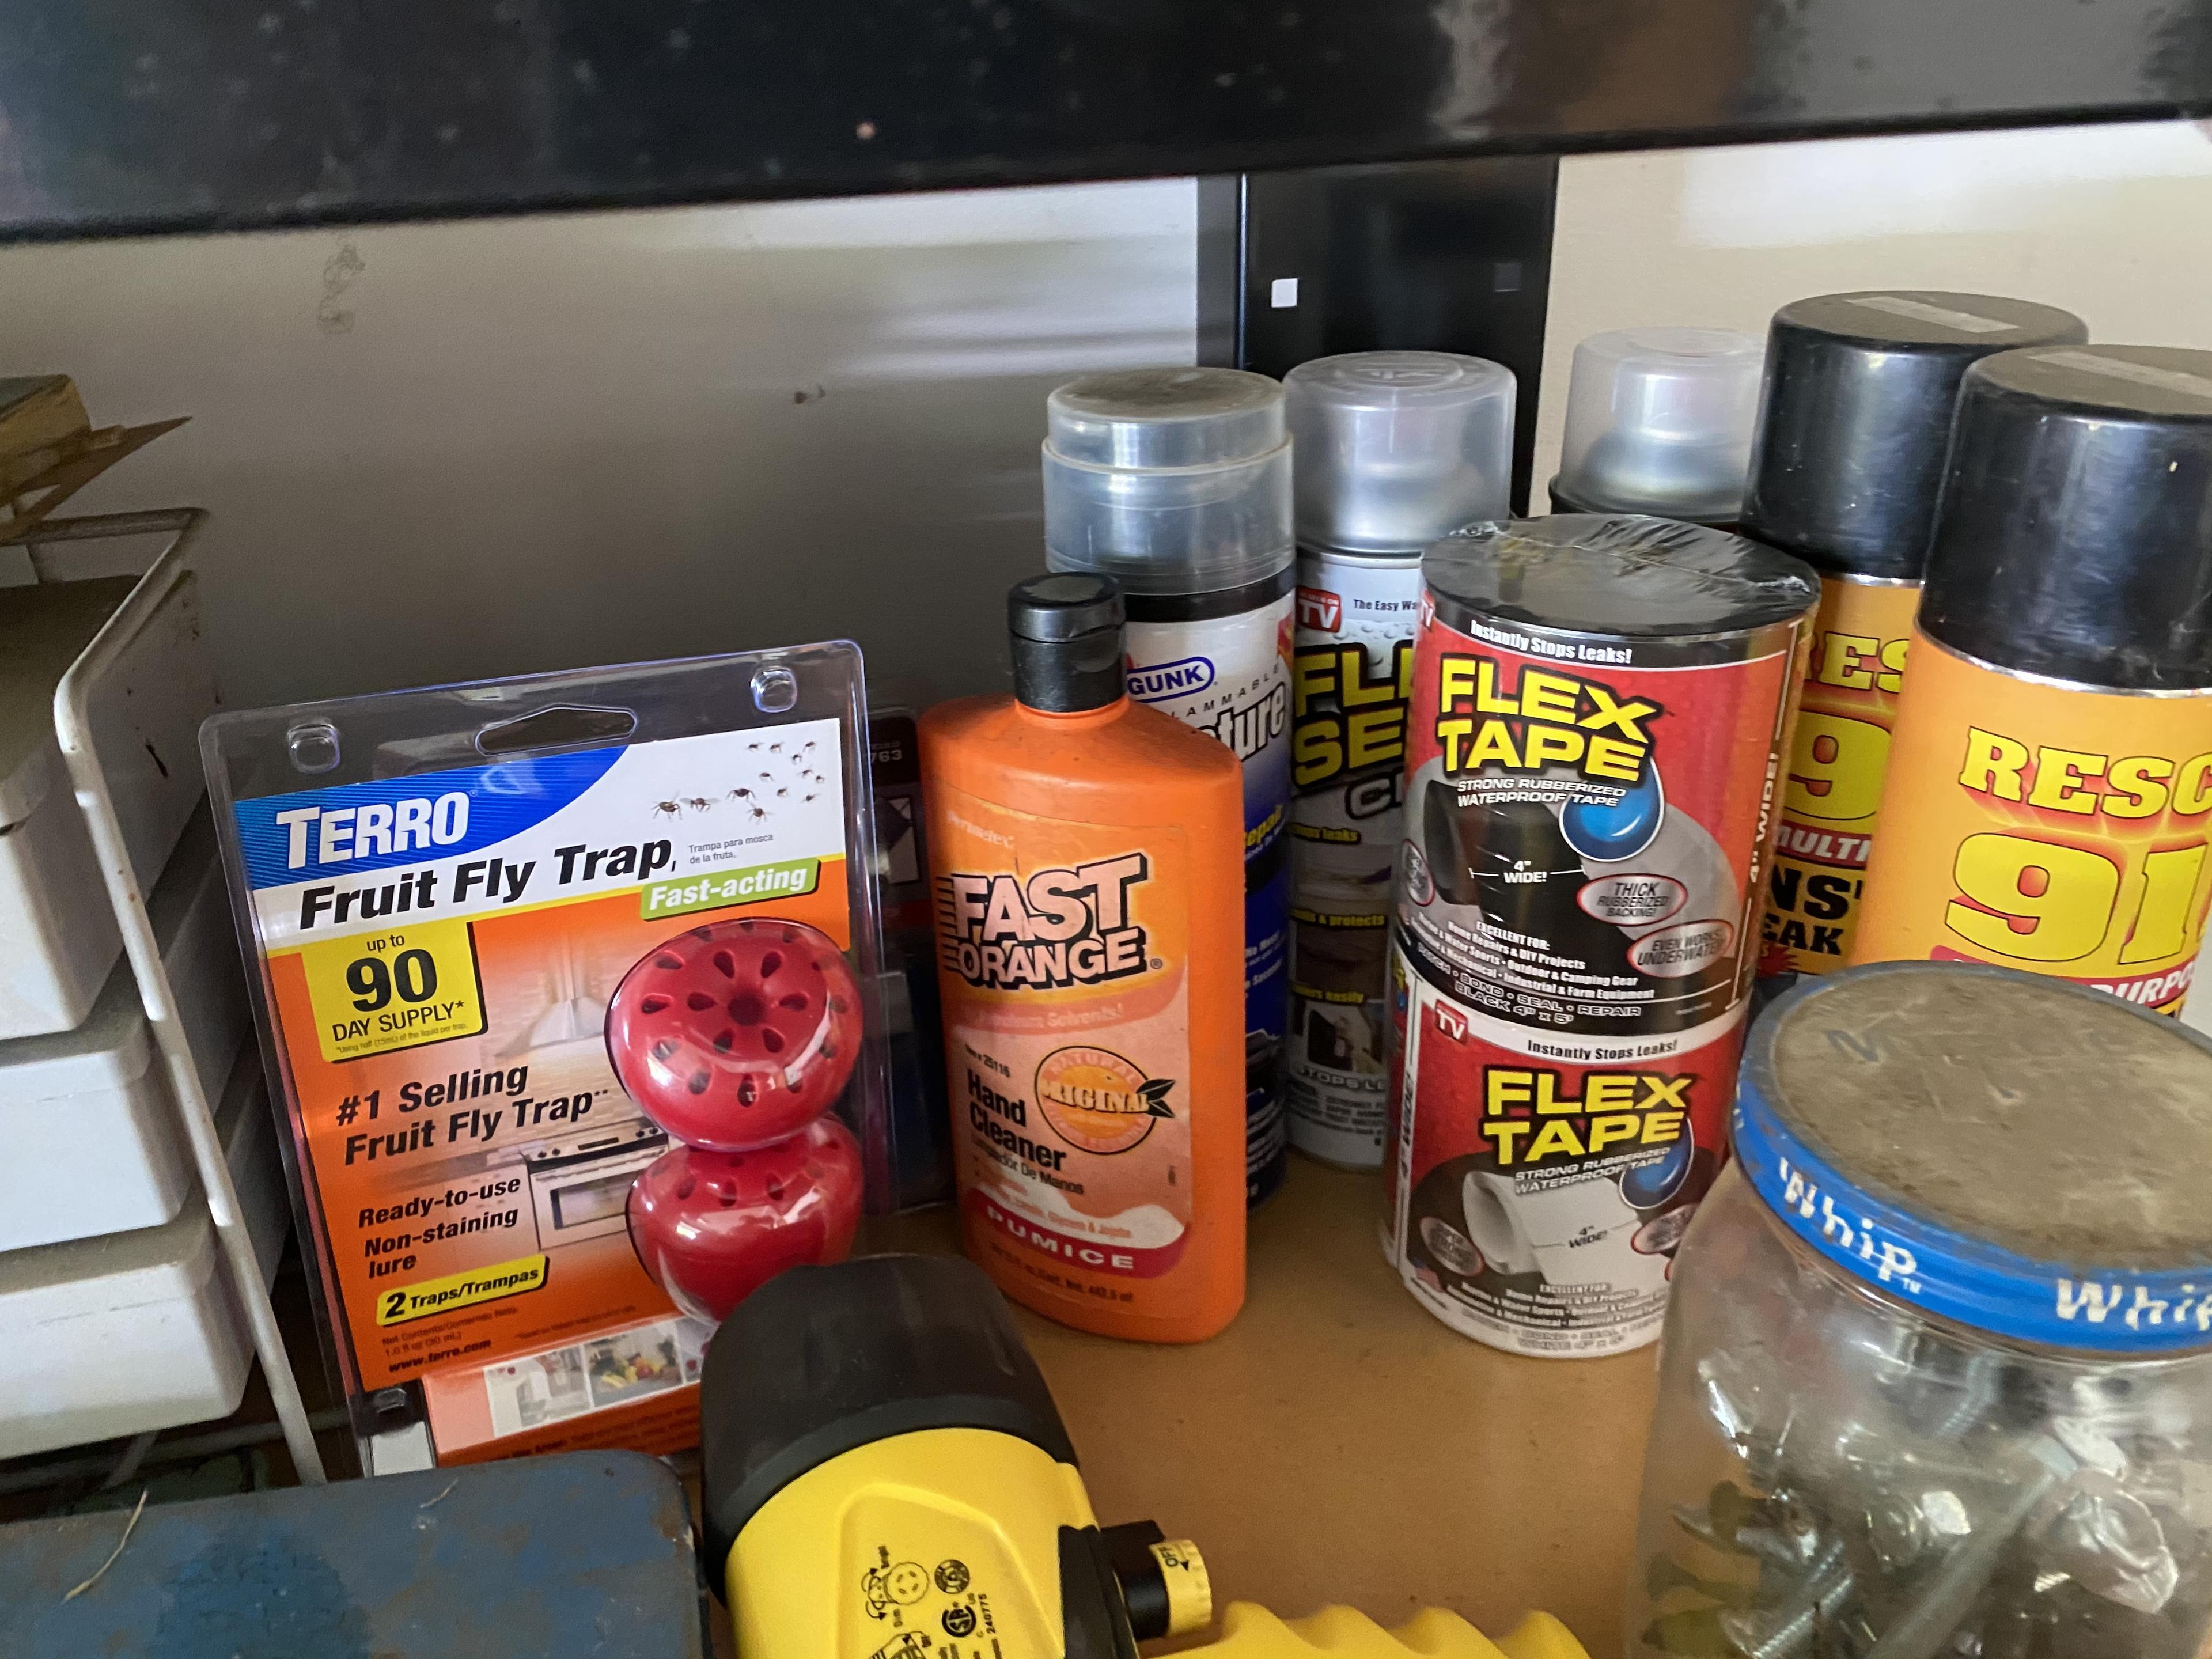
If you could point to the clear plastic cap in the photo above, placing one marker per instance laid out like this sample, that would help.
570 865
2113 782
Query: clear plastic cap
1169 480
1396 449
1659 420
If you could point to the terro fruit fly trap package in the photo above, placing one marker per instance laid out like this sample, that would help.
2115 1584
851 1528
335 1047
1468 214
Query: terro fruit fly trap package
569 986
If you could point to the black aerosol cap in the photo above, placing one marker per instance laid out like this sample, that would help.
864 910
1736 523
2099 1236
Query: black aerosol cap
1066 636
2075 539
1855 412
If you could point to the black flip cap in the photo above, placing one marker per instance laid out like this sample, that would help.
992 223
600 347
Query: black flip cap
1855 413
1066 634
2075 539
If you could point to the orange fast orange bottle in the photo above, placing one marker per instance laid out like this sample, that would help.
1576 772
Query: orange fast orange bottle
1087 863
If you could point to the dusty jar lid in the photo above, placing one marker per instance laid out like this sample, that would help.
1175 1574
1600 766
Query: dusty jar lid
2013 1152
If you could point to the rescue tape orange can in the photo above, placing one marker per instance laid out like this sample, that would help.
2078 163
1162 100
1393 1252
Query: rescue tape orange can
2049 800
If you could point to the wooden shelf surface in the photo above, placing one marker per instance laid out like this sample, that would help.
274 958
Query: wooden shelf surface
1338 1444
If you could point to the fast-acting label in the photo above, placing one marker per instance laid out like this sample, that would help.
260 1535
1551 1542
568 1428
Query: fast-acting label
2058 829
1351 679
438 951
1067 1044
1230 676
1840 753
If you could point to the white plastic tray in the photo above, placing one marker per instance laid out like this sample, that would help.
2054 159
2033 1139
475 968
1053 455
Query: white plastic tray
138 1331
93 726
87 1113
58 937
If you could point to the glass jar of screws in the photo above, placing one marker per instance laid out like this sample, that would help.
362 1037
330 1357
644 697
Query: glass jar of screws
1937 1380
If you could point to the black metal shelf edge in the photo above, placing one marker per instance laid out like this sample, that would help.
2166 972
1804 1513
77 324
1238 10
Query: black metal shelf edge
118 117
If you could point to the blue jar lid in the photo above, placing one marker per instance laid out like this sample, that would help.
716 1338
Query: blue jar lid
2018 1154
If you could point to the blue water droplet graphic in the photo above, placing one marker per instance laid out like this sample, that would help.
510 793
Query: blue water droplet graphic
1609 834
1652 1185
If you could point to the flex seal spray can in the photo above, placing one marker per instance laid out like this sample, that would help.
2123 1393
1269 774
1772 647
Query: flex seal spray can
1599 712
1176 482
1854 417
1083 863
2050 790
1395 449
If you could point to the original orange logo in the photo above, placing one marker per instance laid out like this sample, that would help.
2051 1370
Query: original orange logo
1098 1101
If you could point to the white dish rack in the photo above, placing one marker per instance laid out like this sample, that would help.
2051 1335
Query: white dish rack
104 784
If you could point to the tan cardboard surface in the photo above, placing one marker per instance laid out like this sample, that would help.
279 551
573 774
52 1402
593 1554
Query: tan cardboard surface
1338 1444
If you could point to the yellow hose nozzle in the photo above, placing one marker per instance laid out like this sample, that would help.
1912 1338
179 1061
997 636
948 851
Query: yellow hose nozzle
1248 1631
1190 1590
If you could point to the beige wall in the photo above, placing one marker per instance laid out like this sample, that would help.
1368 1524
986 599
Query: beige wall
2113 223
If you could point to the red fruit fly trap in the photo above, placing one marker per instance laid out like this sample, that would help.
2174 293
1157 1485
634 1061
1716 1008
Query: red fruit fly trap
713 1227
738 1034
736 1038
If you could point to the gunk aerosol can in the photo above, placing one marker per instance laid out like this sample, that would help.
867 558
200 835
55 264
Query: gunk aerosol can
1176 484
1393 449
1855 418
1599 714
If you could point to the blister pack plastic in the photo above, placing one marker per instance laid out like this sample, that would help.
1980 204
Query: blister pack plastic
557 976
